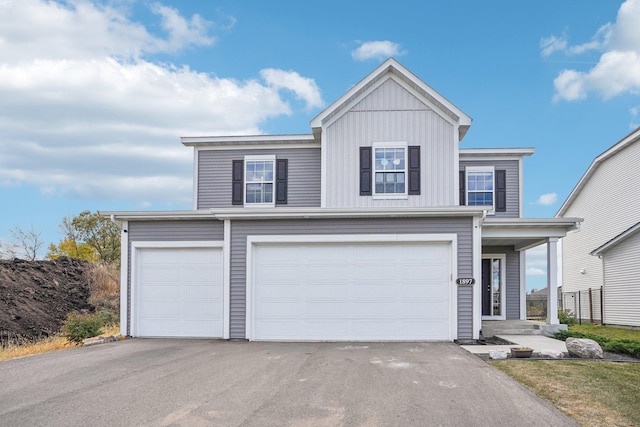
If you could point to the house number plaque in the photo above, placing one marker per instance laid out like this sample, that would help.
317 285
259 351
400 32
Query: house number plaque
465 281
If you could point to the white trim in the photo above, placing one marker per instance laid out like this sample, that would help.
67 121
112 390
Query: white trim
520 188
247 139
226 280
456 169
450 238
552 281
258 158
323 171
523 285
386 145
496 153
481 169
503 286
477 274
196 170
135 245
124 277
257 147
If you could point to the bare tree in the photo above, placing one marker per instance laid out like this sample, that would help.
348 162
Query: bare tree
7 251
25 243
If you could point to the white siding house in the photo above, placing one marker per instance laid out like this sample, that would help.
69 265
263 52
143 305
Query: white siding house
621 264
608 198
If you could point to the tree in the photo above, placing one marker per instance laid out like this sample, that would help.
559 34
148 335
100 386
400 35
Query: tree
72 249
89 230
25 244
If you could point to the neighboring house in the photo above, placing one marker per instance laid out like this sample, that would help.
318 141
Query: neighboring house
374 226
606 249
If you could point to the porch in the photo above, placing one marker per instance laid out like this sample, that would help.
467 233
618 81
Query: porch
492 328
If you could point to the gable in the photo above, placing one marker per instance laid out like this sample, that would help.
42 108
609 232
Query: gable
389 96
391 69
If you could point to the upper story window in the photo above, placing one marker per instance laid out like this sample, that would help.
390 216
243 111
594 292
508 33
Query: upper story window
259 180
484 186
390 169
480 186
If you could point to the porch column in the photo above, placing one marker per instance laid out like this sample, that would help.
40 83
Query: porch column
552 281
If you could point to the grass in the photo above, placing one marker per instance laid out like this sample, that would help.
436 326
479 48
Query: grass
609 332
593 393
54 343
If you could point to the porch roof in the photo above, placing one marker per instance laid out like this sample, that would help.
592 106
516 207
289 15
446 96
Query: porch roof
525 233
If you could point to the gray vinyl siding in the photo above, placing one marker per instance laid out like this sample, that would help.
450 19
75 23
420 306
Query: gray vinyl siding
512 277
214 176
241 229
621 265
211 230
390 113
512 180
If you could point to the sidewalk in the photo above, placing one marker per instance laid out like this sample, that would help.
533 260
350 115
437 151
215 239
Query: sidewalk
538 343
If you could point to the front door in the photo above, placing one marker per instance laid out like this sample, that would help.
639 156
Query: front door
493 295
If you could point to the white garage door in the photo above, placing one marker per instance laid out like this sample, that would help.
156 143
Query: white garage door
351 291
178 292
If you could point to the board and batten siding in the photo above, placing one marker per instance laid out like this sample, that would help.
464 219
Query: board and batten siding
241 229
390 113
208 230
609 204
512 278
214 176
621 265
512 175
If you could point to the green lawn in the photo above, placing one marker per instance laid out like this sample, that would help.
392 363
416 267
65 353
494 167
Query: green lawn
594 393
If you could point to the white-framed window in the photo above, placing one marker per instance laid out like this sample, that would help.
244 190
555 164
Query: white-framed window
390 169
480 186
259 180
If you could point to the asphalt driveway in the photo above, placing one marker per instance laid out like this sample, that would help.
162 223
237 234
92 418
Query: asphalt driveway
167 382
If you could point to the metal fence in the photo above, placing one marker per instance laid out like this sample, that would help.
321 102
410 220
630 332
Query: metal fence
586 306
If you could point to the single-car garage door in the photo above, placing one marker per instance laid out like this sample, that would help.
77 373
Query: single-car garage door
351 291
178 292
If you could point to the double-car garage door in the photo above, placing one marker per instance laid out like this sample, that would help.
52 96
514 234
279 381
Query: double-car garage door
385 290
301 291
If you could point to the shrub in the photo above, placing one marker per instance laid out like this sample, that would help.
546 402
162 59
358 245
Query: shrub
566 317
623 346
563 335
79 326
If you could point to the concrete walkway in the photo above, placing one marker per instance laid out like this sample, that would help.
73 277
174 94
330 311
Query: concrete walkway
538 343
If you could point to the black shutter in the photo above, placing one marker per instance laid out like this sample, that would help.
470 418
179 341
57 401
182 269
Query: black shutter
237 182
414 169
365 171
501 191
282 166
463 186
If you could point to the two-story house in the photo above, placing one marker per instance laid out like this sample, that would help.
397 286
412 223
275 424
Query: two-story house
374 226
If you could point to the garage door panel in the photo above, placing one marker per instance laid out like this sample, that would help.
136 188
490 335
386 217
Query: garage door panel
352 291
179 292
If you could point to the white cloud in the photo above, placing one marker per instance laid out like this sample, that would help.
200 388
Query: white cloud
535 271
377 50
303 88
547 199
618 68
85 114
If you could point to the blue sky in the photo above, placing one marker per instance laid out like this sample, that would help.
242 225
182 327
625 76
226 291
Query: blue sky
95 95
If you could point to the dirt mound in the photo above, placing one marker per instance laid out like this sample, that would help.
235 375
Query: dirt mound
36 296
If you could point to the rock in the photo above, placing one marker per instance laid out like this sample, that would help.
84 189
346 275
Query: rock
584 348
497 354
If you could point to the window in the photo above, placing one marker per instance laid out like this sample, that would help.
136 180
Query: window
390 170
259 180
480 186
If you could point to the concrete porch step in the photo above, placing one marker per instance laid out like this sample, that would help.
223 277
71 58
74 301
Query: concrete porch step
491 328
